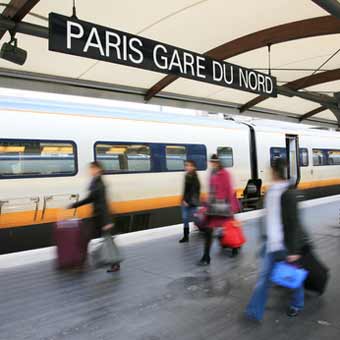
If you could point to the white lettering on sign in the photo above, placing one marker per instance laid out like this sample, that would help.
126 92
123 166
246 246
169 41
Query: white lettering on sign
255 81
80 38
269 85
112 44
162 62
200 67
189 61
243 76
252 80
261 80
94 41
72 34
222 73
136 50
182 62
175 61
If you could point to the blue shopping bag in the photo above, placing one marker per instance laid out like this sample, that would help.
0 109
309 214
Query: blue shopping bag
287 275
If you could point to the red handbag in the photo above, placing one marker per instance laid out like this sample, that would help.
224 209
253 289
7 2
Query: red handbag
232 236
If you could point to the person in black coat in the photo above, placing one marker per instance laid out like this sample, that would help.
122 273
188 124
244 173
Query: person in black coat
191 197
284 239
101 216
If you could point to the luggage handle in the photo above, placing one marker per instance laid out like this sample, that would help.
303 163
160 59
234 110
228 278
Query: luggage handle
50 197
2 203
76 196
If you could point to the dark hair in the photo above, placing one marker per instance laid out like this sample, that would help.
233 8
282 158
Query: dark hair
96 164
215 159
191 162
279 167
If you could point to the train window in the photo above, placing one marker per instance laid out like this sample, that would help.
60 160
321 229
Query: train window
319 157
37 158
117 158
333 157
198 154
304 161
277 152
225 154
176 155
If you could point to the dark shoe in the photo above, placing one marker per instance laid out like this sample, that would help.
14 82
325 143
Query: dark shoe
114 268
234 252
292 312
204 262
184 239
252 317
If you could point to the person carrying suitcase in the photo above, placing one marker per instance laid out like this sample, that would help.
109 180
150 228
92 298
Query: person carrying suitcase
101 219
284 240
222 204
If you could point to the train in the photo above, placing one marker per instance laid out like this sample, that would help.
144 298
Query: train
46 146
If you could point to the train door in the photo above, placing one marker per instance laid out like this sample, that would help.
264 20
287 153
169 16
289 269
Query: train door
293 155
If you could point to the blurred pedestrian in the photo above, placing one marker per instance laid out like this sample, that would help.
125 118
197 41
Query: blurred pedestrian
284 240
222 204
191 197
101 219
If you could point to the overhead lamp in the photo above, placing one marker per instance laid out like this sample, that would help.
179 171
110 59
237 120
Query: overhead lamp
12 53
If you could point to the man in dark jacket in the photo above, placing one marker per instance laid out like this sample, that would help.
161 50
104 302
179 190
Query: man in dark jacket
101 216
191 197
284 239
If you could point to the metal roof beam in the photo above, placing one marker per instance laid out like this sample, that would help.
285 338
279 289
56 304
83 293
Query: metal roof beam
328 102
322 99
312 113
24 28
17 10
274 35
331 6
298 84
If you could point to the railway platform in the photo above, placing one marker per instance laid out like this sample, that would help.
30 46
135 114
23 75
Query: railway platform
161 294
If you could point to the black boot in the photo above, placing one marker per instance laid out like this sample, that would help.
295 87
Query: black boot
235 252
185 236
205 261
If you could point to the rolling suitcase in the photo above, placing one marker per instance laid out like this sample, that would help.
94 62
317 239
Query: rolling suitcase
232 235
71 243
318 273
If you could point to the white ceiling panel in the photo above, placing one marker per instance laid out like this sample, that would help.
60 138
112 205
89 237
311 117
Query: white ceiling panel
122 75
325 115
291 105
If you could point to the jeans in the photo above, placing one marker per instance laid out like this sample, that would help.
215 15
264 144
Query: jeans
187 215
257 304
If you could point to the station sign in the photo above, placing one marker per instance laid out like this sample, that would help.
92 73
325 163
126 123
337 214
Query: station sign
80 38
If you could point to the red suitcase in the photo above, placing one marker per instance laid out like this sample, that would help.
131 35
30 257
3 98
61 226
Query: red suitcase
232 236
71 243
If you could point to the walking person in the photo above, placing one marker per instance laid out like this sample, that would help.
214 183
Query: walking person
222 204
191 197
284 240
101 218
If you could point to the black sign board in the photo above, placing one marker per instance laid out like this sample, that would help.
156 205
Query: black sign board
73 36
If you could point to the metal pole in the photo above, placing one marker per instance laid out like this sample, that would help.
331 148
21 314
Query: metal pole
23 27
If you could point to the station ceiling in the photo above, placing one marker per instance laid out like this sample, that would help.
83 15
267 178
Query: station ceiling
303 36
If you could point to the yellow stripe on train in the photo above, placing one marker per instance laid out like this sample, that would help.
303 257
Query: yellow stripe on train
27 218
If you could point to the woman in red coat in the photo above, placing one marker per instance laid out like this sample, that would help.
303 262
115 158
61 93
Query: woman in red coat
221 192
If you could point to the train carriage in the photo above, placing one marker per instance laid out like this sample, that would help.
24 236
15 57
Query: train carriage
45 149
